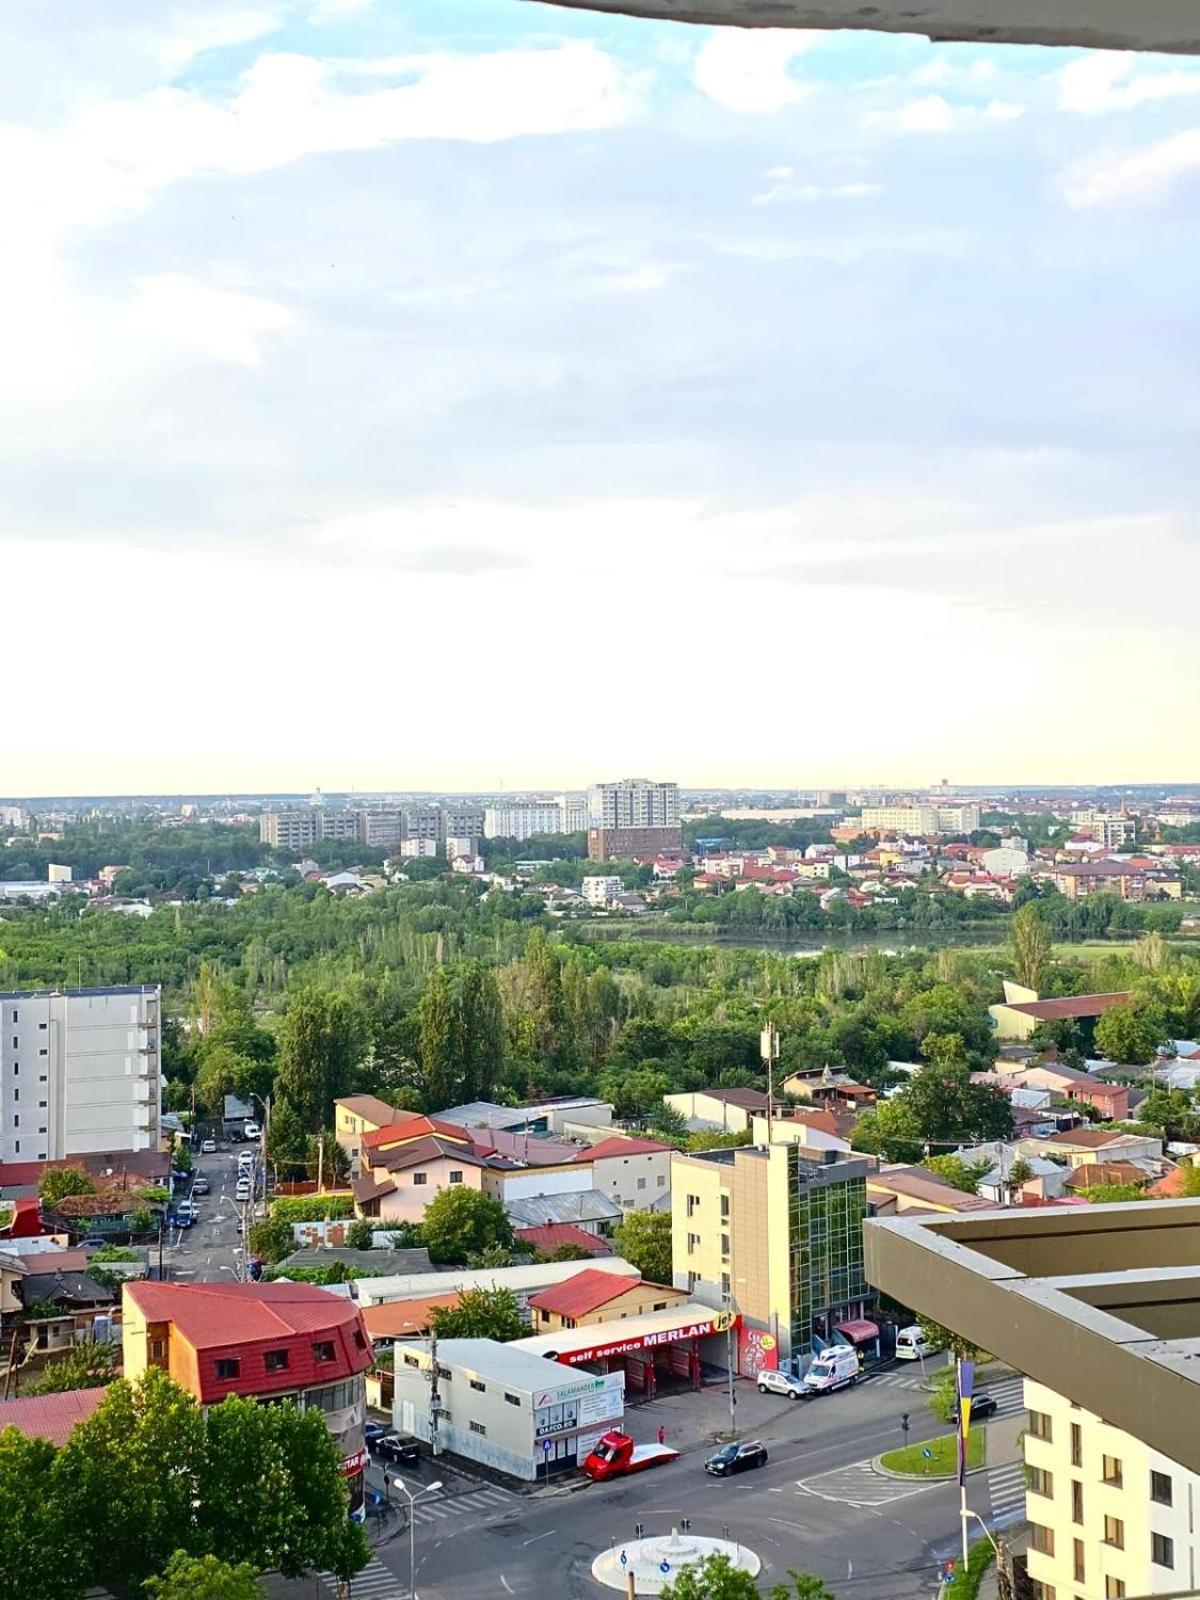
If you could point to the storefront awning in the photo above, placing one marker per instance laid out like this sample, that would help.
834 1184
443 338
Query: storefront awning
858 1332
629 1335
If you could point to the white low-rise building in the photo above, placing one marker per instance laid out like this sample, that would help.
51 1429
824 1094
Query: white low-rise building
506 1409
599 888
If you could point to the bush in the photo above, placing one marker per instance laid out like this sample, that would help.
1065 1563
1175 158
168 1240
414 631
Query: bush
312 1207
360 1235
964 1585
59 1182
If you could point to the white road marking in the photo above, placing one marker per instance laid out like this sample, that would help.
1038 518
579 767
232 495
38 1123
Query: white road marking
508 1588
538 1536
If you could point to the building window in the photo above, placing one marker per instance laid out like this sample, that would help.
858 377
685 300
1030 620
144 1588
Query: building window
478 1427
512 1399
661 1181
1080 1571
411 1361
1041 1539
482 1387
456 1175
1114 1589
693 1200
1076 1501
724 1244
726 1285
1112 1472
1041 1482
1040 1426
445 1374
420 1177
359 1342
1162 1550
276 1360
1114 1532
693 1241
156 1349
1076 1445
724 1207
1160 1488
228 1368
323 1350
641 1183
1043 1591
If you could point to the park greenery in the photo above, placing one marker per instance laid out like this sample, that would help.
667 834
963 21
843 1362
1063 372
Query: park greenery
262 1485
716 1578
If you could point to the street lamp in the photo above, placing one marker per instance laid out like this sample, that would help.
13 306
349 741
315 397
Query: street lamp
399 1483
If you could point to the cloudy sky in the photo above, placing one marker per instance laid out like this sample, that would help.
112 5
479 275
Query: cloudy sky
457 393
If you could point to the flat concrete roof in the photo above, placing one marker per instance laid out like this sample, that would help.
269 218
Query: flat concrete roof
1101 1303
1169 25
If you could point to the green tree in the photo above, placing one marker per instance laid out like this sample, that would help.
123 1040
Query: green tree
636 1093
1018 1175
960 1174
714 1578
643 1238
322 1040
803 1586
204 1578
1172 1110
56 1183
947 1105
89 1365
271 1239
1114 1193
943 1395
946 1339
1032 950
441 1041
287 1142
891 1129
1130 1034
41 1555
360 1235
482 1030
480 1314
460 1222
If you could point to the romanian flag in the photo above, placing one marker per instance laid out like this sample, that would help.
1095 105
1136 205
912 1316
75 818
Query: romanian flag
966 1382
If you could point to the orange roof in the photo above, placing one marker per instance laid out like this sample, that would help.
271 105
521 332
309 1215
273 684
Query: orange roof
1169 1186
412 1126
227 1314
401 1319
618 1146
586 1291
550 1236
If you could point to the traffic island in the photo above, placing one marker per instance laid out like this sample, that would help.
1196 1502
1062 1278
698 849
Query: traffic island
934 1458
654 1563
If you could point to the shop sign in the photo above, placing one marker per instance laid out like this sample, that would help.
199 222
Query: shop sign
719 1322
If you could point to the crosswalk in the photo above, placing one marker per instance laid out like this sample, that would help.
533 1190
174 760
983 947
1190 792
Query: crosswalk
1010 1396
862 1485
893 1380
1006 1488
374 1582
479 1503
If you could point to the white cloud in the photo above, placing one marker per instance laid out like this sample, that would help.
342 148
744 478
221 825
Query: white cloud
930 114
637 280
1105 80
1140 178
1003 110
782 189
188 34
747 69
215 323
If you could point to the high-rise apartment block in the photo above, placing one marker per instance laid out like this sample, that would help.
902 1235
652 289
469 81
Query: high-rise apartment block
381 827
308 825
632 817
521 819
574 813
460 821
423 822
79 1072
777 1235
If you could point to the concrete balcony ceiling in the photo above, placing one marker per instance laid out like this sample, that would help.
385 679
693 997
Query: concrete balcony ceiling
1169 25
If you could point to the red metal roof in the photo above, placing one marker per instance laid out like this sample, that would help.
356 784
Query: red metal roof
50 1416
618 1146
413 1126
1078 1005
550 1236
585 1292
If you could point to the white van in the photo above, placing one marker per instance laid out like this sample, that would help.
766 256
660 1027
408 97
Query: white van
912 1344
834 1368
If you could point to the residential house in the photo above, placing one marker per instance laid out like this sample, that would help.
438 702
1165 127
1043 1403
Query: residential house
1111 1100
636 1173
1124 1173
894 1191
721 1110
355 1115
1081 1147
592 1296
53 1417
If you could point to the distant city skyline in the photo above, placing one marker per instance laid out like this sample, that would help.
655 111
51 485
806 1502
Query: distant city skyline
474 391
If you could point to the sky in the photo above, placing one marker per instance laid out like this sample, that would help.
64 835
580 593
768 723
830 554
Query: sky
462 394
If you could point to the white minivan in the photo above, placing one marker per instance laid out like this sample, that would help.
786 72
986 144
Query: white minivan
834 1368
912 1344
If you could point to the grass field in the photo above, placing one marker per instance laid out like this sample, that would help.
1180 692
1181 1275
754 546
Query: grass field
942 1460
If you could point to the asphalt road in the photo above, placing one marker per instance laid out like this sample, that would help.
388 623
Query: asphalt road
211 1249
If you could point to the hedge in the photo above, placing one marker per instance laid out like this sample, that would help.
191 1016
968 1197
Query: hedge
313 1207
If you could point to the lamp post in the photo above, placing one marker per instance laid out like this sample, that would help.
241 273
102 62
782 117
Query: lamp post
412 1498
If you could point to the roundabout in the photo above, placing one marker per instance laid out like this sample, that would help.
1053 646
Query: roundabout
654 1563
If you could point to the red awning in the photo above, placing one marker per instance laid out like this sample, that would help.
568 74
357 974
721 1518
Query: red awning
858 1332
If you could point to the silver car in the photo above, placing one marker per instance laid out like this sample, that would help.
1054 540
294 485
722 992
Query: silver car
780 1383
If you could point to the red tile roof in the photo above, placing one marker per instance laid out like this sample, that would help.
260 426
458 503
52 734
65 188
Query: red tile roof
550 1236
411 1126
618 1146
583 1293
50 1416
223 1315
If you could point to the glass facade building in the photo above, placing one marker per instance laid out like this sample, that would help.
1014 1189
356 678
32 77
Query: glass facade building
826 1210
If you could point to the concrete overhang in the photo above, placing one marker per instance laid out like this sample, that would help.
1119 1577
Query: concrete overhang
1169 25
1102 1305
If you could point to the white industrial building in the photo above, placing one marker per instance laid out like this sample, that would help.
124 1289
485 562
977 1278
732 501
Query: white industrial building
79 1072
514 1412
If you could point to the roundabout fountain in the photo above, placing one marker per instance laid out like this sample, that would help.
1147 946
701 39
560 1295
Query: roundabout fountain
654 1563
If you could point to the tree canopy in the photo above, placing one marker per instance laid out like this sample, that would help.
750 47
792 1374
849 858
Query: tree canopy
461 1222
643 1238
480 1314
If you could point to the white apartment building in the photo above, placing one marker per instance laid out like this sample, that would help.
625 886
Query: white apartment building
414 849
522 819
298 829
381 828
14 817
462 821
422 822
1109 1516
574 813
633 803
79 1072
921 819
599 889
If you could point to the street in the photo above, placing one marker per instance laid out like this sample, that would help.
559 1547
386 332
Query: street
211 1248
818 1505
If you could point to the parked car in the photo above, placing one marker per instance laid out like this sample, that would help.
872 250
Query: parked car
373 1432
983 1405
252 1130
93 1243
201 1186
780 1383
401 1452
836 1366
736 1458
181 1218
913 1344
209 1147
242 1192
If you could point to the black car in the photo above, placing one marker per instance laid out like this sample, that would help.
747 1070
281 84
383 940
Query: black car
373 1432
982 1405
736 1458
401 1452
